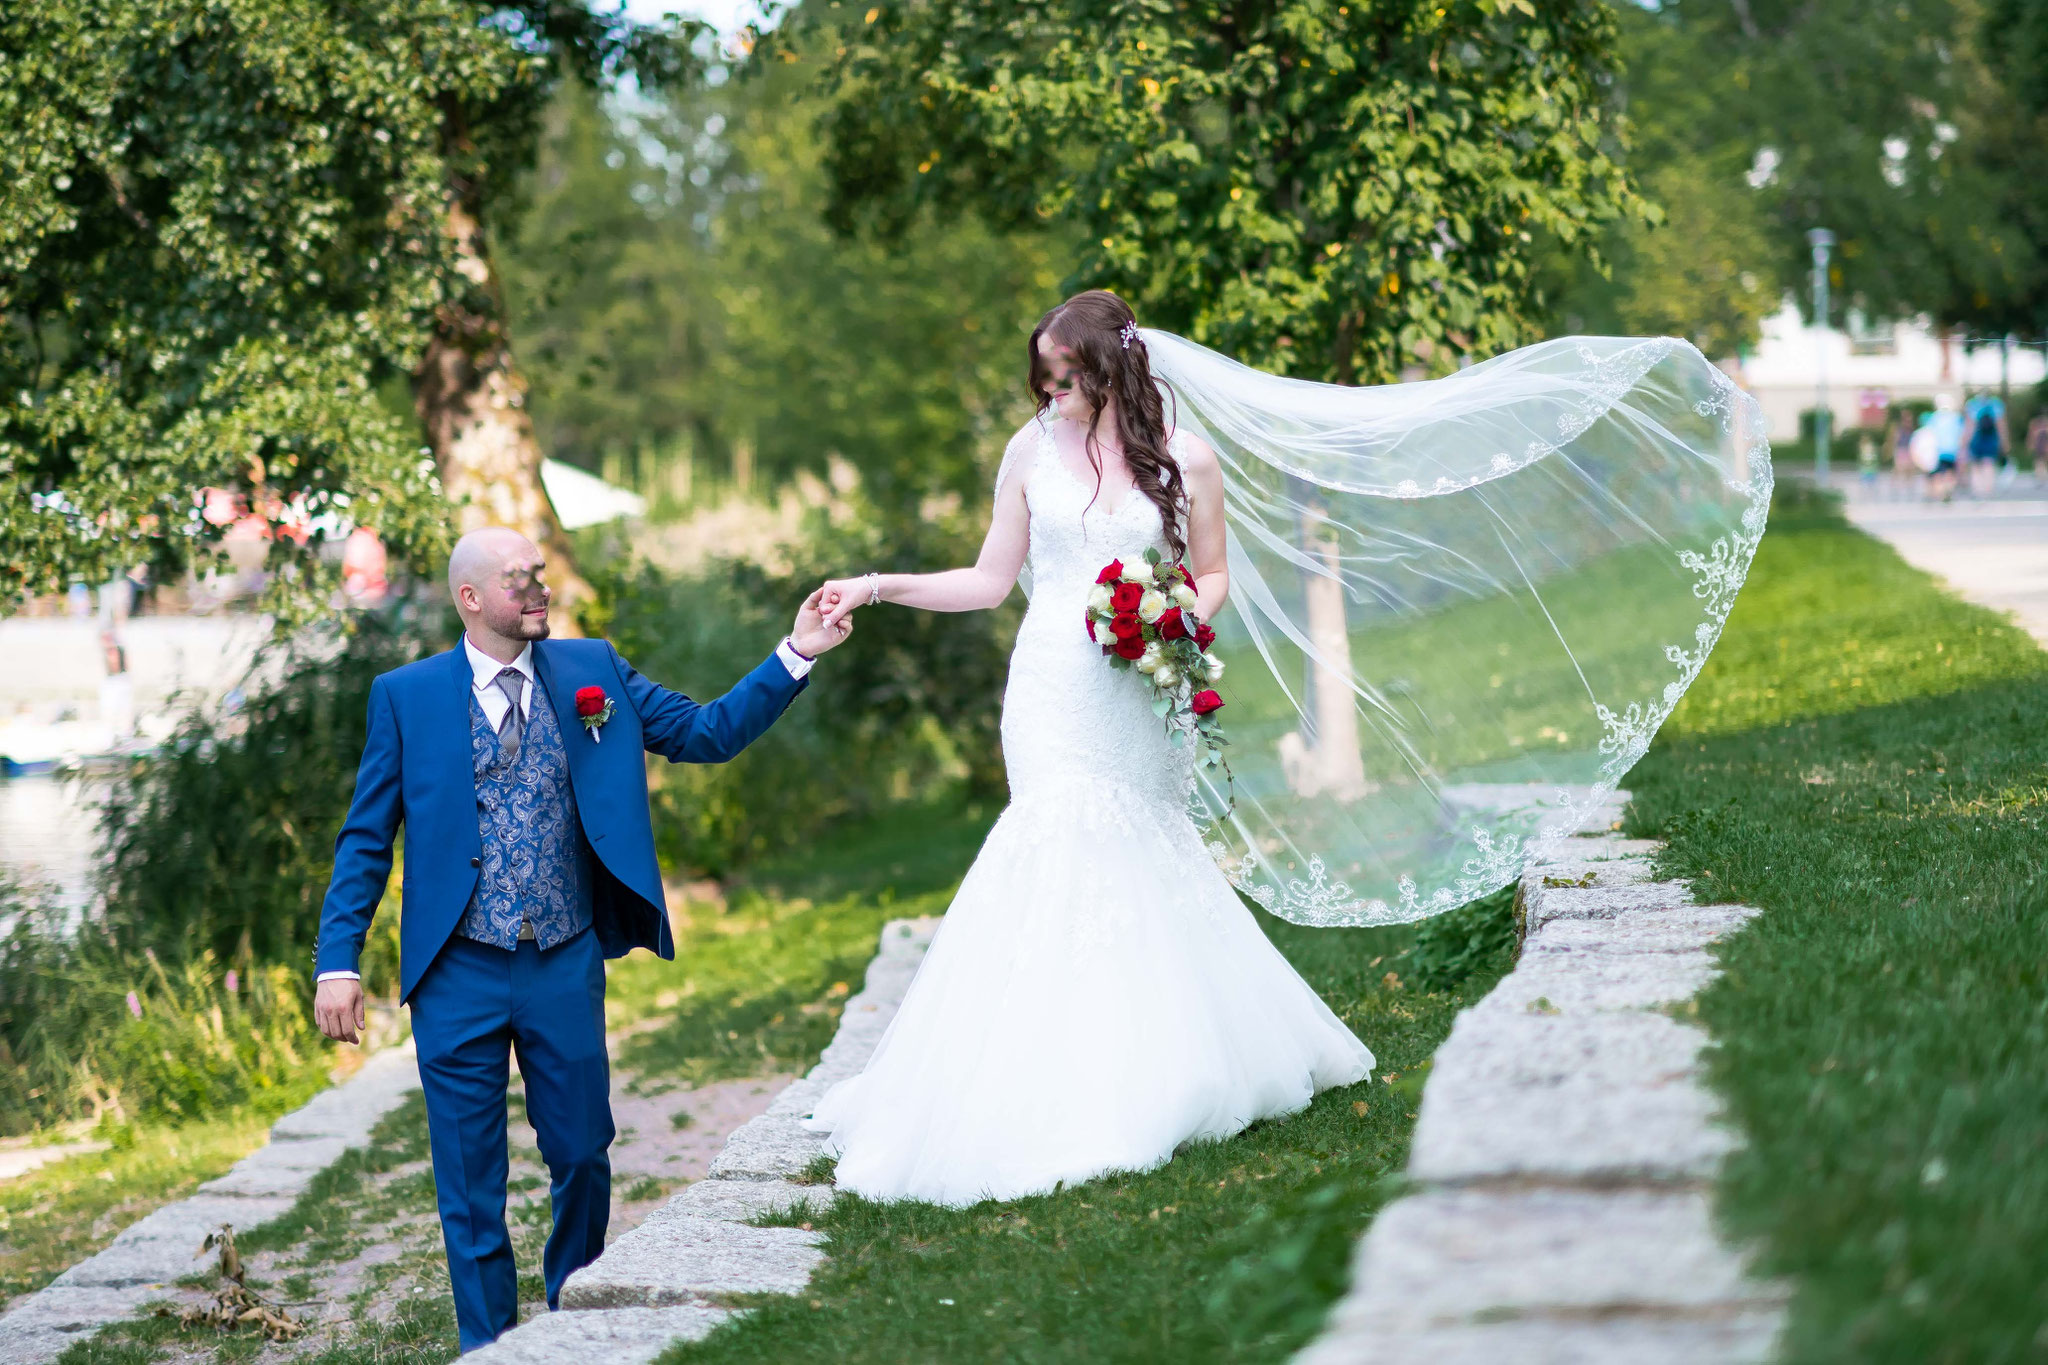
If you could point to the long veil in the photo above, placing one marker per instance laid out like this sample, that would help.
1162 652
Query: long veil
1460 608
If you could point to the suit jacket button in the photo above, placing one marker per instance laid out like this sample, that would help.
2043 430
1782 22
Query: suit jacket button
476 862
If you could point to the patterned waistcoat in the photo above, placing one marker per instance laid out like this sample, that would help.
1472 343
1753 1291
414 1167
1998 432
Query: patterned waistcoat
537 866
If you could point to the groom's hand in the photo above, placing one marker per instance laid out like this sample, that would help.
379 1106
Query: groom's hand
812 635
338 1009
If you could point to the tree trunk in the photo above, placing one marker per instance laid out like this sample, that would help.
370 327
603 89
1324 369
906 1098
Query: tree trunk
472 401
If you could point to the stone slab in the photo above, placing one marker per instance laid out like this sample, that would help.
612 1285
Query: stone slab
281 1168
743 1201
1447 1257
616 1336
771 1147
1577 1097
1602 900
1646 927
1578 983
164 1246
45 1325
1745 1338
352 1109
674 1259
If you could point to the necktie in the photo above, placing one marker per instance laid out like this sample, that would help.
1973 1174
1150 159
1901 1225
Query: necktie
512 729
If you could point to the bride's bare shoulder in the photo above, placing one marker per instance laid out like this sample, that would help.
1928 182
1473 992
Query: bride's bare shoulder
1191 451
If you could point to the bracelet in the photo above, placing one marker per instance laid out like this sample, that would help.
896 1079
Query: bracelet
874 589
790 640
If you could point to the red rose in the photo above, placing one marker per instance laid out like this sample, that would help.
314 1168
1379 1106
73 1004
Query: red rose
1126 597
1171 627
1091 626
1204 637
1130 648
589 700
1206 701
1126 627
1111 572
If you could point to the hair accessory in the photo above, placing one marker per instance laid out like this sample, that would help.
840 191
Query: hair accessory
1129 334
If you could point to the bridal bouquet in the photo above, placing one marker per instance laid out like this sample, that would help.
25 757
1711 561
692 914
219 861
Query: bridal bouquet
1143 616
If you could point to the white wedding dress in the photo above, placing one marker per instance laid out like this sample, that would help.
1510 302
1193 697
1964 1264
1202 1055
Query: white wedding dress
1097 994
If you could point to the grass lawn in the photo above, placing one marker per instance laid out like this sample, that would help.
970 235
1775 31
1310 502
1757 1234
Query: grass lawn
56 1216
1233 1252
1864 758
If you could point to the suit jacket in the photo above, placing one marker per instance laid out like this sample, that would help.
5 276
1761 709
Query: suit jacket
417 770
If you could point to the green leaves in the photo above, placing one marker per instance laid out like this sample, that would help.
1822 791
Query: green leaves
222 250
1337 192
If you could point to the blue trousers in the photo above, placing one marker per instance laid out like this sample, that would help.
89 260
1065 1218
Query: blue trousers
473 1005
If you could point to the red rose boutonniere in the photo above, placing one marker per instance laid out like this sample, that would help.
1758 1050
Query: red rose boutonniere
594 708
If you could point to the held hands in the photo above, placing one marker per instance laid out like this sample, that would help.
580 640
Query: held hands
815 631
338 1009
840 596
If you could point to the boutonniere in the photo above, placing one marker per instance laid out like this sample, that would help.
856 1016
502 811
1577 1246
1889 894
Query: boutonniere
595 708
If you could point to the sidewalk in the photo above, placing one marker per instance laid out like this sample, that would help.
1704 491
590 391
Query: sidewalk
1992 551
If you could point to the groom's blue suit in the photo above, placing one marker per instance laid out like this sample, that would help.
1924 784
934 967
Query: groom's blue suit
551 833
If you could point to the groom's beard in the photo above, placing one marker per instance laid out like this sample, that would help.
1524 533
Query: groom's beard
533 627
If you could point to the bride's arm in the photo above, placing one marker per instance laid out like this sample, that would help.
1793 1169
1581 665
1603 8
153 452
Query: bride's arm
978 587
1207 558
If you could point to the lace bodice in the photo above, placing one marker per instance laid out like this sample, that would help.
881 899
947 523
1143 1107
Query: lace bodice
1068 717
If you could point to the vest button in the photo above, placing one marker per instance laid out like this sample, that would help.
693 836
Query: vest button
476 862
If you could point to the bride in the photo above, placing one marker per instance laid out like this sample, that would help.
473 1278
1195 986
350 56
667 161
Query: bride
1097 994
1463 607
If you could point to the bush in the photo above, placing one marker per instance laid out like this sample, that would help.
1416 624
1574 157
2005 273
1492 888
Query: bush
186 989
904 711
222 842
89 1031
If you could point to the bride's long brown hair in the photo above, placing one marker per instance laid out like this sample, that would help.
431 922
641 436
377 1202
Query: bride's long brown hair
1091 328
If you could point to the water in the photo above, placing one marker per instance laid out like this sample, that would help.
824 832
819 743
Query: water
49 833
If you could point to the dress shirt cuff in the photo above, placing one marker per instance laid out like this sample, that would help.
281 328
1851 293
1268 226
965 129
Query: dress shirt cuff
337 976
796 663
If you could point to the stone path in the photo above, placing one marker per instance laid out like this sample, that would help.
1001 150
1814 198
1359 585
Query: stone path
159 1250
1565 1151
666 1280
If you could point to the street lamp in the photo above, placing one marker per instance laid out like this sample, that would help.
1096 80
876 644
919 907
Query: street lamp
1821 240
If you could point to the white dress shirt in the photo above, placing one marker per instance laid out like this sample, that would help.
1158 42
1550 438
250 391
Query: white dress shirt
483 683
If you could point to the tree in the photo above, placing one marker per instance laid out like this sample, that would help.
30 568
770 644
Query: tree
675 285
229 227
1889 125
1706 266
1331 190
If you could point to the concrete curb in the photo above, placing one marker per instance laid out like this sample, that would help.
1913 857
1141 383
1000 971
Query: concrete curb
1564 1152
161 1248
664 1281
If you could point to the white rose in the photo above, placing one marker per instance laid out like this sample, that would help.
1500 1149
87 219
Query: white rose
1151 658
1166 677
1138 571
1098 599
1151 606
1212 668
1184 596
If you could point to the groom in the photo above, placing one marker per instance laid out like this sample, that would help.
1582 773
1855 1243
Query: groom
514 763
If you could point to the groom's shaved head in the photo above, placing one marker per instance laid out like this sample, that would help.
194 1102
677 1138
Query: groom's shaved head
494 577
480 558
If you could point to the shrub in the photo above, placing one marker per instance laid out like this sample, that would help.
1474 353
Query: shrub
90 1031
904 711
222 842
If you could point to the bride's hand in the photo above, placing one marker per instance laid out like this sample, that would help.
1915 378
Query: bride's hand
840 596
